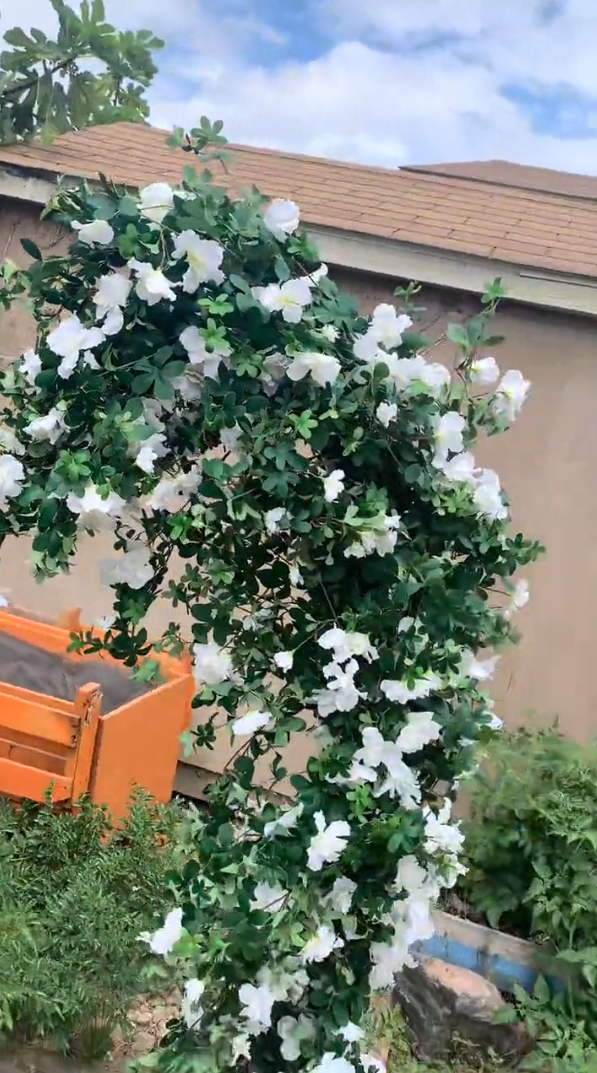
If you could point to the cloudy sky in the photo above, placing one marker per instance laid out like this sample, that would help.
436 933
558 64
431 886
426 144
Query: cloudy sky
385 82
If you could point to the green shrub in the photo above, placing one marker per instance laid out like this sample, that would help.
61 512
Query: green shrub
531 842
74 896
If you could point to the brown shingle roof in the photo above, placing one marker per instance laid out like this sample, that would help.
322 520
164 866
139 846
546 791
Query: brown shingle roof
523 226
523 176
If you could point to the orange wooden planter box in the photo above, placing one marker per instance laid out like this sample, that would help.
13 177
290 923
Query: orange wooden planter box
72 749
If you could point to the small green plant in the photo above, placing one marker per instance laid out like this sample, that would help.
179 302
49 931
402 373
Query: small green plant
531 842
386 1027
74 896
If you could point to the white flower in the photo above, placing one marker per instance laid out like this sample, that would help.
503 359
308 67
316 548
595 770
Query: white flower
358 773
273 371
97 233
328 844
511 392
441 836
104 622
110 298
250 723
267 897
411 876
448 435
341 694
317 275
519 598
273 518
331 1063
388 326
386 412
50 427
350 1032
152 285
192 1011
483 371
164 940
405 624
341 895
333 485
211 664
286 821
12 475
204 257
172 493
281 217
345 644
371 1061
436 377
292 1032
402 372
388 959
257 1003
10 442
420 730
69 339
480 670
133 568
329 332
156 201
487 496
94 511
324 368
284 660
294 575
289 299
150 449
375 749
30 366
321 945
400 781
402 692
209 360
229 437
460 468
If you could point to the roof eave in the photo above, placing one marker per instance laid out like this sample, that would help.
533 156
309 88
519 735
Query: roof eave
388 257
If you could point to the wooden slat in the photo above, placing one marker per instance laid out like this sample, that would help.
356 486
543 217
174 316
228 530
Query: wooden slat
37 719
88 703
65 706
22 781
37 758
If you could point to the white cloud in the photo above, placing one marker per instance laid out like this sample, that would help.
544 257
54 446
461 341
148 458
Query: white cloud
372 96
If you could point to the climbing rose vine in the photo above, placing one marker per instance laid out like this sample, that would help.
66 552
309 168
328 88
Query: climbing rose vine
300 479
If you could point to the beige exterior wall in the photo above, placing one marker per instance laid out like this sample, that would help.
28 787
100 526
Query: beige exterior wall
546 463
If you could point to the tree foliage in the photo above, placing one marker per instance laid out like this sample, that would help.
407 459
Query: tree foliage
90 74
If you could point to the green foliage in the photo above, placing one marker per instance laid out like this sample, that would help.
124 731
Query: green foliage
531 841
74 896
563 1042
47 88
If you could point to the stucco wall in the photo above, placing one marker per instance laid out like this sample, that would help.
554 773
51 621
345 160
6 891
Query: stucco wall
546 463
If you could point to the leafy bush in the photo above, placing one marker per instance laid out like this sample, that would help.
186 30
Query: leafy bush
74 896
531 842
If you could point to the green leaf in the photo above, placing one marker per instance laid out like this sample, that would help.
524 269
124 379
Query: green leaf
31 248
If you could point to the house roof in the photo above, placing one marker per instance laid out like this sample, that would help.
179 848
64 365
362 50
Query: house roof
504 173
473 209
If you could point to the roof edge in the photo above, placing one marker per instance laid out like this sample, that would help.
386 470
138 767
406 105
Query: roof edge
389 257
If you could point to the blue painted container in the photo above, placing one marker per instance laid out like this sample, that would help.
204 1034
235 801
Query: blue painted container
498 957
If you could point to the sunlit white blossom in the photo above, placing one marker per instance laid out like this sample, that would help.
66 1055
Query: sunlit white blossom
510 395
333 485
152 285
388 960
133 568
30 366
48 427
323 368
273 519
281 217
436 377
10 442
345 644
156 201
171 494
519 598
331 1063
341 895
321 944
328 844
487 496
110 298
12 475
403 692
149 450
341 693
268 897
192 1011
68 339
483 371
196 347
211 665
388 326
94 511
284 822
372 1062
250 723
460 468
284 660
329 332
292 1032
96 233
204 258
421 729
386 412
273 372
441 836
257 1003
288 298
480 670
163 941
350 1032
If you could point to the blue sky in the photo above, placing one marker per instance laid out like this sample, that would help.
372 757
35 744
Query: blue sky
386 82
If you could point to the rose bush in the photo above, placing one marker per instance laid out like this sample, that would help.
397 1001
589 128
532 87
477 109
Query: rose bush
207 392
